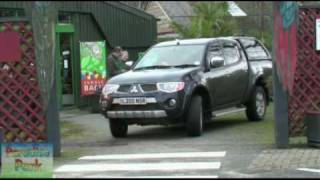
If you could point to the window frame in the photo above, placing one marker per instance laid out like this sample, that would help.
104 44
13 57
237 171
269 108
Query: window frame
268 56
12 13
236 45
217 42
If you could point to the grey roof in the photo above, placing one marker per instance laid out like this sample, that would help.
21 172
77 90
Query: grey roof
141 5
181 11
235 10
178 11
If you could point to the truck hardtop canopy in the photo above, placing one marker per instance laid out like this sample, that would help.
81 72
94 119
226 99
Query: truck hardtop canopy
198 40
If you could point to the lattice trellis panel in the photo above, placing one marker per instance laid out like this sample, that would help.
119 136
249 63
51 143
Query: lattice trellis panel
21 113
306 89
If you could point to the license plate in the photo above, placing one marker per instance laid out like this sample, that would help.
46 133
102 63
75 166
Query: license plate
133 101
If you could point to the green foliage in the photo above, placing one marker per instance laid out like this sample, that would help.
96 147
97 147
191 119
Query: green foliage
210 20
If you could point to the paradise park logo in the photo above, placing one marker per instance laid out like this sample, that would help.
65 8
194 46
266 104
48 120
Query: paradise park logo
21 165
33 152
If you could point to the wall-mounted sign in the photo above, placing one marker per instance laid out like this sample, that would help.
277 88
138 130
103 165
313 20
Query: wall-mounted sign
318 34
93 67
10 46
29 160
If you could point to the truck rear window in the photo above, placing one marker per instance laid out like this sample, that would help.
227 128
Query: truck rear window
254 49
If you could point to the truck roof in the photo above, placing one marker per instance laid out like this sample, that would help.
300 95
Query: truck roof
199 40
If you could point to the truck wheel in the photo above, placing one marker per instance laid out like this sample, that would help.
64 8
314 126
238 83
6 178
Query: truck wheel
118 127
256 108
194 122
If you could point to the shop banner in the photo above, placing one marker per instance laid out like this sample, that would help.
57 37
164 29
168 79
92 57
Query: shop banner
29 160
93 67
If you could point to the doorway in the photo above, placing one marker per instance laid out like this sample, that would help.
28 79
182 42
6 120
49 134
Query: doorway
65 66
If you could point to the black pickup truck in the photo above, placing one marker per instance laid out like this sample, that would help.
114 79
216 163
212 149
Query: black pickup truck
191 82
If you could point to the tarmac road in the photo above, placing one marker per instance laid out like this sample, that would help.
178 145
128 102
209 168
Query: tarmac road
230 147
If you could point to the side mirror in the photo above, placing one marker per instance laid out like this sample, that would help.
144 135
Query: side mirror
216 61
129 63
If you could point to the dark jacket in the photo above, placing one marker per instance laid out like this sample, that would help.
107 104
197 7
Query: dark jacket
116 66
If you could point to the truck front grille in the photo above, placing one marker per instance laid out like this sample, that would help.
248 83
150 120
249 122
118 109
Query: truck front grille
125 88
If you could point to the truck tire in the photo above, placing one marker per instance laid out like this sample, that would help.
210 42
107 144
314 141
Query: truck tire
256 108
118 128
195 117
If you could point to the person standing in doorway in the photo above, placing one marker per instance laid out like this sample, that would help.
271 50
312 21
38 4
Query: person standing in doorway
125 55
115 63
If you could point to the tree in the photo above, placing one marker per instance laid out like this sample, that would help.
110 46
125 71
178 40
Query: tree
210 20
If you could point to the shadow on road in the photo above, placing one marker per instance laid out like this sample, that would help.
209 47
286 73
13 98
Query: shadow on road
220 128
225 124
178 131
157 132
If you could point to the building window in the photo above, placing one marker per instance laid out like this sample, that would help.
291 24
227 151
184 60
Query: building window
65 18
9 13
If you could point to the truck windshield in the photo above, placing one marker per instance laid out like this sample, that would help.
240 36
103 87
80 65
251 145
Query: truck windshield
172 56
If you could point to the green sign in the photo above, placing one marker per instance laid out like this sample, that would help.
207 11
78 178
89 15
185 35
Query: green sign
29 160
93 67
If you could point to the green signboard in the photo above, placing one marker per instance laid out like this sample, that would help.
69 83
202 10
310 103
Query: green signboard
93 67
29 160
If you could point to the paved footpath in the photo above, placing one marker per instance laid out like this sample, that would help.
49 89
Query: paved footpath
227 149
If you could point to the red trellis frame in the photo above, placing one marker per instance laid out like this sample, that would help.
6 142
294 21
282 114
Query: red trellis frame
306 89
21 109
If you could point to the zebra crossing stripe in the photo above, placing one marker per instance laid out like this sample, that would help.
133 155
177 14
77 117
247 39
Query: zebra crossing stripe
153 177
309 170
139 167
155 155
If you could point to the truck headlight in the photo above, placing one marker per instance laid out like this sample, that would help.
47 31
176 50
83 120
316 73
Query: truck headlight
109 88
170 87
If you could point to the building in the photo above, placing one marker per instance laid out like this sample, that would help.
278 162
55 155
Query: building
85 21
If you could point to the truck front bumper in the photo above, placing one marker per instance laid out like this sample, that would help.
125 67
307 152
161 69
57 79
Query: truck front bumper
156 111
137 114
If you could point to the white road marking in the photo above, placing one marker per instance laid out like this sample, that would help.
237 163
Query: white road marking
310 170
156 177
139 167
155 155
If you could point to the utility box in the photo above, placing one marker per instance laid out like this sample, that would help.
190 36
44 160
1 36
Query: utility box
312 121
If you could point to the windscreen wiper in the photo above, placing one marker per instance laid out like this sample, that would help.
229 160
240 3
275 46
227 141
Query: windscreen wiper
153 67
185 65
